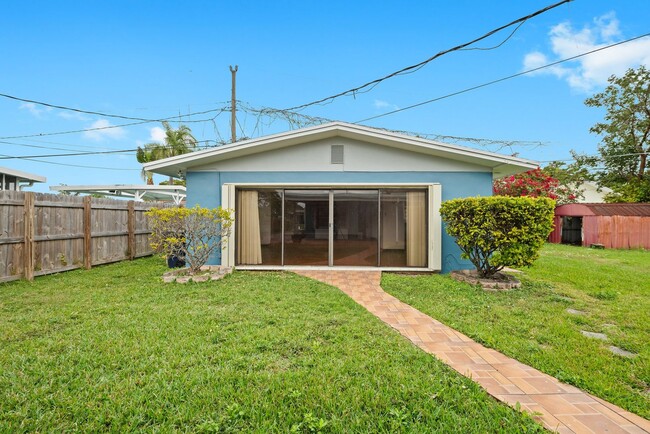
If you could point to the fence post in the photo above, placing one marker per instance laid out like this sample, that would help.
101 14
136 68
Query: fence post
87 232
131 229
28 251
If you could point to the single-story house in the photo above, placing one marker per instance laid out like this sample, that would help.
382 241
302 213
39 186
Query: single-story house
612 225
338 195
12 179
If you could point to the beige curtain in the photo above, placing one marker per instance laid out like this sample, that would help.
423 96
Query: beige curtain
416 229
247 229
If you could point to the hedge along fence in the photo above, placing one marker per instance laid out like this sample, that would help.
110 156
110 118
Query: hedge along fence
45 233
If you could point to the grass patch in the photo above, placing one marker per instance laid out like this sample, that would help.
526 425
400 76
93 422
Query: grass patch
611 287
112 349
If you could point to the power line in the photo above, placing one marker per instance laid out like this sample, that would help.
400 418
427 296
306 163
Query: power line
75 147
72 154
90 112
78 154
53 148
71 146
61 107
219 110
499 80
417 66
81 165
495 46
301 120
598 157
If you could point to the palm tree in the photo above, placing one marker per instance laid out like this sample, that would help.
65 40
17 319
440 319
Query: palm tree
177 142
150 152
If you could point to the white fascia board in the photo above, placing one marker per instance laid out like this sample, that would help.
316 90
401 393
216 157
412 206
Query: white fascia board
172 165
156 188
381 137
22 176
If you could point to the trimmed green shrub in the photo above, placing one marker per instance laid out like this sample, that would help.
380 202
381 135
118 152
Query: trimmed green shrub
499 231
193 233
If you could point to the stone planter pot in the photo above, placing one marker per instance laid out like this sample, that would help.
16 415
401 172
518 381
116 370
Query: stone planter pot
174 261
206 273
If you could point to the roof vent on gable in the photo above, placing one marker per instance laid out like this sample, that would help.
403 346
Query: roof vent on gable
337 154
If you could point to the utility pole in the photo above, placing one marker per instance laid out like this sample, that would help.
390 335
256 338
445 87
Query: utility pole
233 106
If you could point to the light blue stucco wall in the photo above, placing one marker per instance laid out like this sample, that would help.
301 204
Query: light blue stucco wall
204 188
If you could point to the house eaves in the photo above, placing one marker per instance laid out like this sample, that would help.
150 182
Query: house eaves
22 176
500 165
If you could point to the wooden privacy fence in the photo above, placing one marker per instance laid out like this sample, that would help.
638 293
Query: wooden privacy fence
46 233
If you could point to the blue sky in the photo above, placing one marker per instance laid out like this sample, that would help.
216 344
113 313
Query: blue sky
155 60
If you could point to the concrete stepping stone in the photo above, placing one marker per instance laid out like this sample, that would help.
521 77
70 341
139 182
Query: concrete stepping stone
594 335
621 352
576 312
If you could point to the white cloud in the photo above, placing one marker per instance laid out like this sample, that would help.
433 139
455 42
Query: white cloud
382 105
105 132
73 116
34 109
157 134
593 70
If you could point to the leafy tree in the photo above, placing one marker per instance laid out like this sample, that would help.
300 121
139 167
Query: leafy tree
571 175
625 132
192 233
635 190
499 231
177 142
539 183
174 182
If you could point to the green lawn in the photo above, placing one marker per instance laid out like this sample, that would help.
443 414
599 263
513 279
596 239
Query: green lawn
112 349
532 325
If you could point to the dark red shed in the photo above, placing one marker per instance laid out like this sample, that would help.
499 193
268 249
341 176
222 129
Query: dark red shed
614 225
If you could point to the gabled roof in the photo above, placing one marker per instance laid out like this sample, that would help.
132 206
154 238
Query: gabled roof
22 176
501 165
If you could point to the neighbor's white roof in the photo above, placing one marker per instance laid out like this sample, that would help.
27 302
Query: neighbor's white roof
501 165
22 176
164 193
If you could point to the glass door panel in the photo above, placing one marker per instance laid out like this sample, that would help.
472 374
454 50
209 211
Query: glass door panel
258 227
306 227
403 228
355 227
270 205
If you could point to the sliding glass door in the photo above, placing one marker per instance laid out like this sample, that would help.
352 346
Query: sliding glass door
306 227
403 228
355 227
258 227
335 227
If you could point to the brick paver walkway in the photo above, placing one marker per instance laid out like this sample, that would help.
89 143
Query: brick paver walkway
559 406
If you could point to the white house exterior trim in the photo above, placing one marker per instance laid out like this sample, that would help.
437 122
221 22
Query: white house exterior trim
500 165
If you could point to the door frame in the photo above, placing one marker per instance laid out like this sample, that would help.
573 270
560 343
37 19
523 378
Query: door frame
434 221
